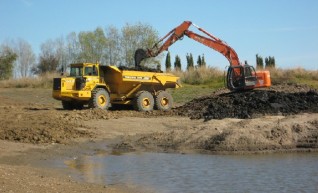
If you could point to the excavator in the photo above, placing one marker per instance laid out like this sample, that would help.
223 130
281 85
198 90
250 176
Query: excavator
239 76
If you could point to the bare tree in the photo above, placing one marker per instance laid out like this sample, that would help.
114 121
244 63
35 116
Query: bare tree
25 58
113 49
48 59
73 48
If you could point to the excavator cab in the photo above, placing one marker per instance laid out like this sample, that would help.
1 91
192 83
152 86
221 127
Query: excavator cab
241 77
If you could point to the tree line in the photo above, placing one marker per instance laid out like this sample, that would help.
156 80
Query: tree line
108 46
269 62
111 46
190 62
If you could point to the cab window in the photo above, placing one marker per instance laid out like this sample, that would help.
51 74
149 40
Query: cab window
90 72
76 71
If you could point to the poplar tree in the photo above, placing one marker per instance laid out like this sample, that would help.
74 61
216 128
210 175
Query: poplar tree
190 63
177 63
199 61
168 62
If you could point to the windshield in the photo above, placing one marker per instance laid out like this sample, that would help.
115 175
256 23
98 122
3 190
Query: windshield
76 71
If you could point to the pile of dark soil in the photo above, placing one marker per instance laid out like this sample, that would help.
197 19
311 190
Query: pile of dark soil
250 104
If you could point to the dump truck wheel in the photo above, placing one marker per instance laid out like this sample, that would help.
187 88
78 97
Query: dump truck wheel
100 99
68 105
163 101
78 106
144 101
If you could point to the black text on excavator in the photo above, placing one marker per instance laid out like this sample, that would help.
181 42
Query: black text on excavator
239 76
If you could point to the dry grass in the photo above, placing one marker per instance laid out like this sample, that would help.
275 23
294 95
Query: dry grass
295 75
201 75
42 81
215 77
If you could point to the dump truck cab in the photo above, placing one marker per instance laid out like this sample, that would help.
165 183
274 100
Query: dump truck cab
101 86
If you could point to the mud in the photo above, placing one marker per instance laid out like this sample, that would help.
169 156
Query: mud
252 104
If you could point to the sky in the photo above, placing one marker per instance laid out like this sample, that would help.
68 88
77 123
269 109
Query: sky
285 29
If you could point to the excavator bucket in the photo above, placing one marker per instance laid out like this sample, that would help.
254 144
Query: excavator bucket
140 54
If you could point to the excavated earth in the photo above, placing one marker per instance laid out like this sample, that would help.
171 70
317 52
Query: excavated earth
34 117
252 104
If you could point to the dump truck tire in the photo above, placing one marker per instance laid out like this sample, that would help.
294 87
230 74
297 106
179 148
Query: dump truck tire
163 101
144 101
100 99
68 105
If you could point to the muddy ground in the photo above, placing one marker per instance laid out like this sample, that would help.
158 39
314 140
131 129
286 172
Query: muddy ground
283 118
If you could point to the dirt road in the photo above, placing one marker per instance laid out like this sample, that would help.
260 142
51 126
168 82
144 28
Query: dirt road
34 127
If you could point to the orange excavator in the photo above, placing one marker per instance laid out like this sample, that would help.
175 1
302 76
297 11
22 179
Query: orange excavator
239 76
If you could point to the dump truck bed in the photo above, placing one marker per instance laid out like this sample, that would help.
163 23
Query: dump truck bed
124 83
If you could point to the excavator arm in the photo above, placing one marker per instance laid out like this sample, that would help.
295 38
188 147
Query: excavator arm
239 77
178 33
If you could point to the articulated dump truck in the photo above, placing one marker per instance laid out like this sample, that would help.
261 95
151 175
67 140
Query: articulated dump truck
103 86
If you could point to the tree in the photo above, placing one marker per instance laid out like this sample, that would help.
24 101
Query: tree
7 59
177 63
134 37
47 64
25 58
61 53
203 63
199 61
168 62
73 48
259 62
270 62
113 49
93 45
48 59
190 63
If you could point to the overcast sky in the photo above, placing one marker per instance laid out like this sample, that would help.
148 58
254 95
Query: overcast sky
285 29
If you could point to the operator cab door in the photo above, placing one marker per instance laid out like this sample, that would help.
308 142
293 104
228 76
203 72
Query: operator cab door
241 77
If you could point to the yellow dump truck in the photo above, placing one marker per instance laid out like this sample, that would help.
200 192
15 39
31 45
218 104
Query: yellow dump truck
101 86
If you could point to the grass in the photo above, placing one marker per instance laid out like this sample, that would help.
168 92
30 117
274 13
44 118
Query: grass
201 75
188 92
42 81
296 75
196 82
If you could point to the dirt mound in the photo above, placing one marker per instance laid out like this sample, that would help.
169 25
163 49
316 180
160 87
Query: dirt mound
251 104
269 133
37 125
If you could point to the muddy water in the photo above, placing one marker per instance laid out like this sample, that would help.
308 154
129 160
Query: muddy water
160 172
